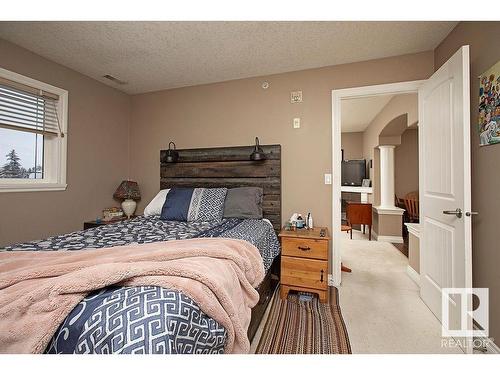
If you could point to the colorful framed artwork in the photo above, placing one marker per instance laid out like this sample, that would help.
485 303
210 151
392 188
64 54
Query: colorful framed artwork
489 106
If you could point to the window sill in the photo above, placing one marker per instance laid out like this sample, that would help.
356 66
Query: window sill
16 188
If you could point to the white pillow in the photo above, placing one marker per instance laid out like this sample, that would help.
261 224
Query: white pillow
154 207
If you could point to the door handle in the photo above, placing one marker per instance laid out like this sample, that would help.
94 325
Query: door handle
471 213
457 213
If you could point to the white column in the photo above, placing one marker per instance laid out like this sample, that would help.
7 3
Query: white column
387 176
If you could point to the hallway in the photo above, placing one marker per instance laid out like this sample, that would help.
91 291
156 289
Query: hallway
381 304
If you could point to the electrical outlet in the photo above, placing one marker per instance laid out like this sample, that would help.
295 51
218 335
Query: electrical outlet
328 179
330 280
296 123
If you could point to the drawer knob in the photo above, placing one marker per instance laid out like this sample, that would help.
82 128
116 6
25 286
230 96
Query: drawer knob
322 275
304 248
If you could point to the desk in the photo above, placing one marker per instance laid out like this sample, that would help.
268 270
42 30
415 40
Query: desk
363 191
360 213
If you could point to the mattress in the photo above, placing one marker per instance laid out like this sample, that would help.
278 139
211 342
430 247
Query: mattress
146 319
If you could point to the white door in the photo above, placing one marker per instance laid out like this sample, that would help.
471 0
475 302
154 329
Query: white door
445 186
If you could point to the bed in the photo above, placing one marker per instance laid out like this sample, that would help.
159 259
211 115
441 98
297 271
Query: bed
152 319
99 323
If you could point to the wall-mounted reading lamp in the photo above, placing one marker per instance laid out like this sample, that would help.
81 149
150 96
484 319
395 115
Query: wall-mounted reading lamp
258 153
172 155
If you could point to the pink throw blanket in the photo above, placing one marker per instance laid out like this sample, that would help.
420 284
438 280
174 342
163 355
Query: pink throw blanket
38 289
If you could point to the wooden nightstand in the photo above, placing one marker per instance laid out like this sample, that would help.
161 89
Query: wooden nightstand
304 262
93 223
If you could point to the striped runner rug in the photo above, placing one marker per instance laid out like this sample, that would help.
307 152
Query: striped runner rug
300 327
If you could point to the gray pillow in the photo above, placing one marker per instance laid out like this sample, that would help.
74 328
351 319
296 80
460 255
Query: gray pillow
244 203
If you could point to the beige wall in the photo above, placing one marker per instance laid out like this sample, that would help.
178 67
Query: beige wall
389 115
97 153
483 38
406 163
352 144
398 105
387 224
234 112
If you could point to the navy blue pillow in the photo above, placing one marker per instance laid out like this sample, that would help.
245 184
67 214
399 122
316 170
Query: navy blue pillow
176 206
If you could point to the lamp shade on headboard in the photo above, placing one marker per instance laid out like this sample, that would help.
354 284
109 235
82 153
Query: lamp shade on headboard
257 154
128 190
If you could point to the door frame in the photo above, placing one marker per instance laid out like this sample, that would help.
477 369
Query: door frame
408 87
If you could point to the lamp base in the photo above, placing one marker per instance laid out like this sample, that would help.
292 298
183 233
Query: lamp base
128 207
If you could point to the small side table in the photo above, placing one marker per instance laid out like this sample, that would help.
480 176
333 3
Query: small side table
304 262
94 223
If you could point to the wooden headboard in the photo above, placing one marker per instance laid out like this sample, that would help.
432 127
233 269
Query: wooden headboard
228 167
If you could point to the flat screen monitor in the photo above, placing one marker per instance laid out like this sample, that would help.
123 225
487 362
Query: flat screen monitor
353 172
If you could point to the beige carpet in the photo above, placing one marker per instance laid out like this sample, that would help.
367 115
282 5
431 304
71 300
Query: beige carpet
381 304
298 327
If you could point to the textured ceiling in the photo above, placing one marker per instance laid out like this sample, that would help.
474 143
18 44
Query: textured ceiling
152 56
358 113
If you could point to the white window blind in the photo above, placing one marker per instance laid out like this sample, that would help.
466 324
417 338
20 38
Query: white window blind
28 109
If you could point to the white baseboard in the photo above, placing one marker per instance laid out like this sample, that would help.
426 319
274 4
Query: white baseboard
414 275
392 239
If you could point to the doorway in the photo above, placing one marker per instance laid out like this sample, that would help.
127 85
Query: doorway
372 126
444 186
384 93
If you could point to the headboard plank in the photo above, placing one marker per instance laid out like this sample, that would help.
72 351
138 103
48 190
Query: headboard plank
221 169
238 153
228 167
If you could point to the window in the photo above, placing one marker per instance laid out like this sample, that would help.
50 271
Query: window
33 134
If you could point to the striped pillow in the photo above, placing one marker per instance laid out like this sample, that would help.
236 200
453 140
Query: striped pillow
194 204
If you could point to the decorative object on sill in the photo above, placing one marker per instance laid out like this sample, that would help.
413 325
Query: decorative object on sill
366 182
129 191
112 213
489 107
172 155
257 154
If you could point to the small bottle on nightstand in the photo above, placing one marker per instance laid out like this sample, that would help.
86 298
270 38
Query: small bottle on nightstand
309 221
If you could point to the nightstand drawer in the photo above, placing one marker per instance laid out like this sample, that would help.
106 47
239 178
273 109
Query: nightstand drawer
305 248
308 273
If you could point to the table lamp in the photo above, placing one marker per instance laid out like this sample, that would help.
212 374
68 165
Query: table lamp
129 192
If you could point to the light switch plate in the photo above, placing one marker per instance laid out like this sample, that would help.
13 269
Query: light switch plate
330 280
328 179
296 97
296 123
